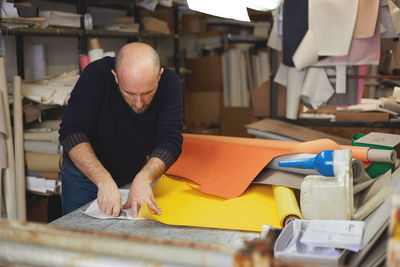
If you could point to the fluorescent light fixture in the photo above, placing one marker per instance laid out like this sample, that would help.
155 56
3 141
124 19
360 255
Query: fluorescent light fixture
232 9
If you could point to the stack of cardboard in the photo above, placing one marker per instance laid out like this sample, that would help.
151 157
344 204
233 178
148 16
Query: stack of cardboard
203 99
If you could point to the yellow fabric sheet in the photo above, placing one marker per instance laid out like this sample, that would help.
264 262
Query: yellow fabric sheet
181 204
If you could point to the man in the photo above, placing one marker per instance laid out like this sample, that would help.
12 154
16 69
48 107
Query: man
123 124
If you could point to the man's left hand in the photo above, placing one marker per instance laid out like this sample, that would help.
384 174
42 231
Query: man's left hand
140 193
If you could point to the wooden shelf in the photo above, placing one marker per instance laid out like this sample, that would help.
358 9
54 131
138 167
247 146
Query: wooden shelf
72 32
50 31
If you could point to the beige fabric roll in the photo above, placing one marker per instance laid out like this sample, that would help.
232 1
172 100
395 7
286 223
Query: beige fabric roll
49 136
9 172
3 133
49 124
19 150
41 147
43 162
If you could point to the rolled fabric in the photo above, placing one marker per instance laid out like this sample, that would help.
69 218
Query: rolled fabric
19 150
9 172
95 54
49 136
288 208
42 147
43 162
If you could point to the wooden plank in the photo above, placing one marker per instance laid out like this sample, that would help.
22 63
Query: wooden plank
294 131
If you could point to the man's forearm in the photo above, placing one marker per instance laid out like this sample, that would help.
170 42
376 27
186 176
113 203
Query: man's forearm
153 169
85 159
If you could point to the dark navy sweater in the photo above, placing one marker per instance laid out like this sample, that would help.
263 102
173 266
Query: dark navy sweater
121 139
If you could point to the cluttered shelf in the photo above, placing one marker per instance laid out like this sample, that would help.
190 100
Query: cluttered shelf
69 32
50 31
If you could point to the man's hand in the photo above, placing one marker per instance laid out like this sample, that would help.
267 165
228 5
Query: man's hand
109 198
140 193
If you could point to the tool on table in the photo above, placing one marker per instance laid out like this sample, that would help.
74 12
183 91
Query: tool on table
323 163
122 214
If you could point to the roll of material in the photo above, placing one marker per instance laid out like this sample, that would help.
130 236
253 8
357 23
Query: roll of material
38 61
295 82
42 147
381 155
9 173
288 208
48 124
43 162
49 136
19 150
95 54
94 43
373 203
109 54
183 205
84 60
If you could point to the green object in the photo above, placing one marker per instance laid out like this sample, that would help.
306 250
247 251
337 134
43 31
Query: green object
376 168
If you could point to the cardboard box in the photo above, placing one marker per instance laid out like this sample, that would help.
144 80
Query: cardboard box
262 100
202 110
206 74
281 101
362 116
58 18
191 24
233 121
155 25
165 14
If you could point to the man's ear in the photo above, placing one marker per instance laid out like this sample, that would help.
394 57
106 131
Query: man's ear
160 73
115 76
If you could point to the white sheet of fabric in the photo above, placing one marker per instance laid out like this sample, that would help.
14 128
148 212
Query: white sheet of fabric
395 15
341 79
94 211
274 40
149 4
281 75
307 52
42 185
294 88
316 88
51 91
363 51
332 22
46 94
331 25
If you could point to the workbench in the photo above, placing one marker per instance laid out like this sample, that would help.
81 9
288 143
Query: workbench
147 228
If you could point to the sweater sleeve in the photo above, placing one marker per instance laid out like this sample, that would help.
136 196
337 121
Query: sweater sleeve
81 114
168 142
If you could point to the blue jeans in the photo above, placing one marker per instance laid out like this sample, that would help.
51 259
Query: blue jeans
76 189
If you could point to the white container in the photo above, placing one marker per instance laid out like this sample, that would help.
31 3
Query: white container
329 198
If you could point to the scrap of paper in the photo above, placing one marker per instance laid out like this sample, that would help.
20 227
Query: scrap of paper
94 211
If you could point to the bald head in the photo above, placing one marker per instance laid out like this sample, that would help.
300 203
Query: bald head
139 56
137 73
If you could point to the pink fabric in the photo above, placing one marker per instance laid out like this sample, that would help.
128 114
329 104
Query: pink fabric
362 70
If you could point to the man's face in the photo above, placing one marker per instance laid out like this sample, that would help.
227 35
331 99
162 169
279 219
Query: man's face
138 93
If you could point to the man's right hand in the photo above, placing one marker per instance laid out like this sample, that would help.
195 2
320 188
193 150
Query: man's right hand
109 198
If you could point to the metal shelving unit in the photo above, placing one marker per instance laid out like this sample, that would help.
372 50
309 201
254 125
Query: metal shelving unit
82 34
